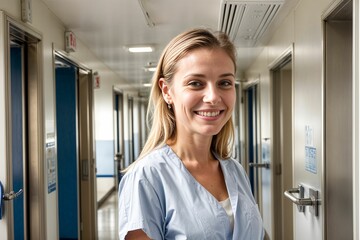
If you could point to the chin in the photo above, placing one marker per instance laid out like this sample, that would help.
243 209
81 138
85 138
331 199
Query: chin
210 132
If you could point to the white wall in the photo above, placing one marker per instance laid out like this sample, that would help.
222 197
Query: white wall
303 27
52 31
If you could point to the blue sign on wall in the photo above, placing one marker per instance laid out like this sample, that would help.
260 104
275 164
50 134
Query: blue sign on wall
310 159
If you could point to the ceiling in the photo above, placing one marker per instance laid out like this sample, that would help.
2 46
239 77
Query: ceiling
107 26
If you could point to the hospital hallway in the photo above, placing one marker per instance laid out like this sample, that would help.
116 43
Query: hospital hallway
77 79
107 218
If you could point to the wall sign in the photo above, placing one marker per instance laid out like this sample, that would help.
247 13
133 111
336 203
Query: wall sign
310 150
310 159
51 166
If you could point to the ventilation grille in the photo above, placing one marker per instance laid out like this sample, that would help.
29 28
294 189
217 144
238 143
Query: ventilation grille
247 20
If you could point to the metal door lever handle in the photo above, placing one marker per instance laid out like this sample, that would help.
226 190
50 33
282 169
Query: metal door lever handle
298 201
260 165
11 195
6 197
313 199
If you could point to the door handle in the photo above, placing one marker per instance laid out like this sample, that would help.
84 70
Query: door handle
118 157
260 165
301 201
6 197
12 195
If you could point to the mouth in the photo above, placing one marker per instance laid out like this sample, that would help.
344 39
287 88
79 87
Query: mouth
208 113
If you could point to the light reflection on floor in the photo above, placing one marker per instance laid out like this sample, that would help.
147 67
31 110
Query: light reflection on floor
108 219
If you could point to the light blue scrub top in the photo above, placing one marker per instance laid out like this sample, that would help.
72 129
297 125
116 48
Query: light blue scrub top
161 197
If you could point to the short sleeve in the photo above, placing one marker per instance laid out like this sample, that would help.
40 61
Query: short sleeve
139 207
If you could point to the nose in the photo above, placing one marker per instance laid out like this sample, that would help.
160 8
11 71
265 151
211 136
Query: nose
212 95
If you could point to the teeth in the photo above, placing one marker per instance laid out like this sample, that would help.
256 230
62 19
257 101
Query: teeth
209 114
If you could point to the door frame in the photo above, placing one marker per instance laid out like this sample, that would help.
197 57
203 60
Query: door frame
36 222
119 144
276 190
86 147
334 208
356 118
245 86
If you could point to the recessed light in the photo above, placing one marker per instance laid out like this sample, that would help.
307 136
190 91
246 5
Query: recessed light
140 49
150 69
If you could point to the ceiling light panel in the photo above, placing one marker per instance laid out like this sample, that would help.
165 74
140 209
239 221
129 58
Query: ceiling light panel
140 49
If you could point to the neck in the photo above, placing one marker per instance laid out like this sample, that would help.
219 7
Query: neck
191 150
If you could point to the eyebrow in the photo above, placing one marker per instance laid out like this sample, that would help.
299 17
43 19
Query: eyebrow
203 76
227 75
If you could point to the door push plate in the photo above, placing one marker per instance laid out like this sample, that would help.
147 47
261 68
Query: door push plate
314 196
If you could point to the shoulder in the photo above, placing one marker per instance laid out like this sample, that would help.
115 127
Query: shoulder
156 159
150 167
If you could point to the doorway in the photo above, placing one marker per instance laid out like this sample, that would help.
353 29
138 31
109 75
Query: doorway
252 162
21 133
129 139
282 138
75 150
338 123
119 136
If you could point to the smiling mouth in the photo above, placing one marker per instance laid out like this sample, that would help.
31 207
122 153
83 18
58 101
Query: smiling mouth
209 114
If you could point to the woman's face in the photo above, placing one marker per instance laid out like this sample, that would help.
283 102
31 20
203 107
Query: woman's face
202 92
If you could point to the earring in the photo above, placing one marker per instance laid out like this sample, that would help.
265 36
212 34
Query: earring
169 106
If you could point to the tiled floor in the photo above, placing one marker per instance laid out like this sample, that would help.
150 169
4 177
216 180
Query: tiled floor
108 219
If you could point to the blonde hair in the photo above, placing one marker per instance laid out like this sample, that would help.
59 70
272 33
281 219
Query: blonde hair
159 116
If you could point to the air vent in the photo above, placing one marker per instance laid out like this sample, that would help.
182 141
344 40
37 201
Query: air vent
246 21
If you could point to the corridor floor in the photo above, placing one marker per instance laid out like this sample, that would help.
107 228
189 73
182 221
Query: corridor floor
108 219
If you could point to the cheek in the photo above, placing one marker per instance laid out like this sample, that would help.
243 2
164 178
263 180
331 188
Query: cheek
230 99
186 100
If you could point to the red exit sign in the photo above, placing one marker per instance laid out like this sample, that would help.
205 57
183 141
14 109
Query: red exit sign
70 42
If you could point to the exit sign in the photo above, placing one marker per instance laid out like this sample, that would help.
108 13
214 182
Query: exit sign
70 42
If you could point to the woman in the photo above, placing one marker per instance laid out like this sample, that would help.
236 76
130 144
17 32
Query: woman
184 185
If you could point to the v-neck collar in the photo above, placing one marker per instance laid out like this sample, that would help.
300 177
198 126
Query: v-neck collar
228 178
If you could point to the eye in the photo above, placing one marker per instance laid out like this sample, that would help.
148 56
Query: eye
195 84
226 83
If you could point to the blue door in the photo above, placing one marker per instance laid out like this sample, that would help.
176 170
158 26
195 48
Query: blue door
66 124
18 139
252 132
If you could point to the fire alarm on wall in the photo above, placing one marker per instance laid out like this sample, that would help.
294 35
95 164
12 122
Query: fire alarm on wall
26 11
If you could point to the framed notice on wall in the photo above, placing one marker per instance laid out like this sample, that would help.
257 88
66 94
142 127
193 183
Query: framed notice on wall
51 166
310 150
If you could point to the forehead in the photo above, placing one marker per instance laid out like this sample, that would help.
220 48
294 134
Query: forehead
199 59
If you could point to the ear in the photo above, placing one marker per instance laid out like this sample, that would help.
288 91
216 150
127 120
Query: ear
165 89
